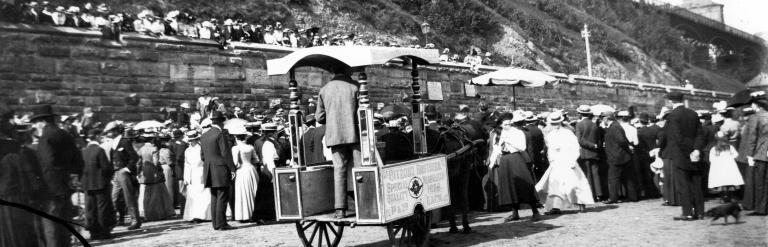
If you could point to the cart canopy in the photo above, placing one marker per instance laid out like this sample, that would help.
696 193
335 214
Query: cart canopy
329 57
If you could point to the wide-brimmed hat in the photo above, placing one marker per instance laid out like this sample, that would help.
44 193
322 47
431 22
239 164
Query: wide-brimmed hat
41 111
206 123
185 105
518 116
555 118
114 125
584 109
269 127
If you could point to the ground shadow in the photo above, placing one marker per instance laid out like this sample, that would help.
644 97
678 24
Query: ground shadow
144 232
482 234
588 211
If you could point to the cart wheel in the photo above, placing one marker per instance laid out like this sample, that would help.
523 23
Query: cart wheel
321 233
411 231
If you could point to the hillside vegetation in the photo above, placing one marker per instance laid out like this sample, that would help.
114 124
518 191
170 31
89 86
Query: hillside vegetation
629 40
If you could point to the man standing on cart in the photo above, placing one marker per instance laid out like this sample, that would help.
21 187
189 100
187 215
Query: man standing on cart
336 109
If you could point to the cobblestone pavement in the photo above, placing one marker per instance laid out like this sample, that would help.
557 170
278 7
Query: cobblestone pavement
644 223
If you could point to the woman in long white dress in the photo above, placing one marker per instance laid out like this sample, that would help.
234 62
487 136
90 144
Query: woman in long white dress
246 179
564 183
198 206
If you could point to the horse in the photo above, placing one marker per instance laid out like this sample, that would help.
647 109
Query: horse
462 154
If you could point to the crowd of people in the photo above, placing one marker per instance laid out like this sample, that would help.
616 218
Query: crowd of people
214 162
185 23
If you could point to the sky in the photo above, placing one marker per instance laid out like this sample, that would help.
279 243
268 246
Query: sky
750 16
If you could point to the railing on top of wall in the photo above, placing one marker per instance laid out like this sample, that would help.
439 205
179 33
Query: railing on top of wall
574 79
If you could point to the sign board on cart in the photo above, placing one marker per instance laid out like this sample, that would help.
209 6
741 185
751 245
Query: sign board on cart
405 185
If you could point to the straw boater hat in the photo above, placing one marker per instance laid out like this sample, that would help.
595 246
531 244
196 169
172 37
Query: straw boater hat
192 135
584 109
555 118
530 117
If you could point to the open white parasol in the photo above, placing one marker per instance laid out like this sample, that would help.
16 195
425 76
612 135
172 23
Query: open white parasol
236 126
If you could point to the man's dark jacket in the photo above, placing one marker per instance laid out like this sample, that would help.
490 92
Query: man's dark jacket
217 158
97 171
617 149
589 139
682 134
58 157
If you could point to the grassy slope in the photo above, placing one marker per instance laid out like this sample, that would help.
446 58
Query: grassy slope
510 34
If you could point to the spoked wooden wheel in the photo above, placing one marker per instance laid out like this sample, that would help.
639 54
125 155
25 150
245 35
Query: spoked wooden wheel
319 233
411 231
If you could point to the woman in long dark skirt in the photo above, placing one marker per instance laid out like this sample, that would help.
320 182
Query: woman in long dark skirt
509 174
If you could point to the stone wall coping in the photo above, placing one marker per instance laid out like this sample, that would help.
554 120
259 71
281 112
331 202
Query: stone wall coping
574 79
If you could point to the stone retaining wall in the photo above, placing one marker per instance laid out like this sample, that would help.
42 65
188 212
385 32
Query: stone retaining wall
75 68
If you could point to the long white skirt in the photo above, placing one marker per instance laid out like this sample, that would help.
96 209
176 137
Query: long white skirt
198 205
563 186
246 185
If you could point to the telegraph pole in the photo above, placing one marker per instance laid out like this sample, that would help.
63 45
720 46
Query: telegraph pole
585 34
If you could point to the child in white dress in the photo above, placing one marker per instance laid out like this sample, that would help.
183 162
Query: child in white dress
723 172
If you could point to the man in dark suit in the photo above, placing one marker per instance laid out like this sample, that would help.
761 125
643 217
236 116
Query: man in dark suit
589 140
337 108
97 174
618 152
683 141
647 135
178 146
123 158
59 160
218 169
540 163
313 141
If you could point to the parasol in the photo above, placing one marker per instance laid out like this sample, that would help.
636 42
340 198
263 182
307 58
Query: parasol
514 77
741 98
600 109
148 124
236 126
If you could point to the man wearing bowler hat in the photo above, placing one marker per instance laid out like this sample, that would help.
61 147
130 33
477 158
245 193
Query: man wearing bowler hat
59 160
123 157
682 142
218 169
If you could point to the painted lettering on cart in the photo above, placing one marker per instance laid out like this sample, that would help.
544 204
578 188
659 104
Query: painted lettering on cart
422 182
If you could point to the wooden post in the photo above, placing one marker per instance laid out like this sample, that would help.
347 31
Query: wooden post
365 124
295 120
417 116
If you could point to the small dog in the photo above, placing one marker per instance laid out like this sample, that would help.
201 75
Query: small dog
732 208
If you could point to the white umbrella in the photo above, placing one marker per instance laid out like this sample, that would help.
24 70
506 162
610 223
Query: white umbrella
148 124
599 109
236 126
515 77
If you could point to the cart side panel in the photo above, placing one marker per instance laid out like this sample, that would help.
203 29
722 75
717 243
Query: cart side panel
317 191
288 196
367 194
408 184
